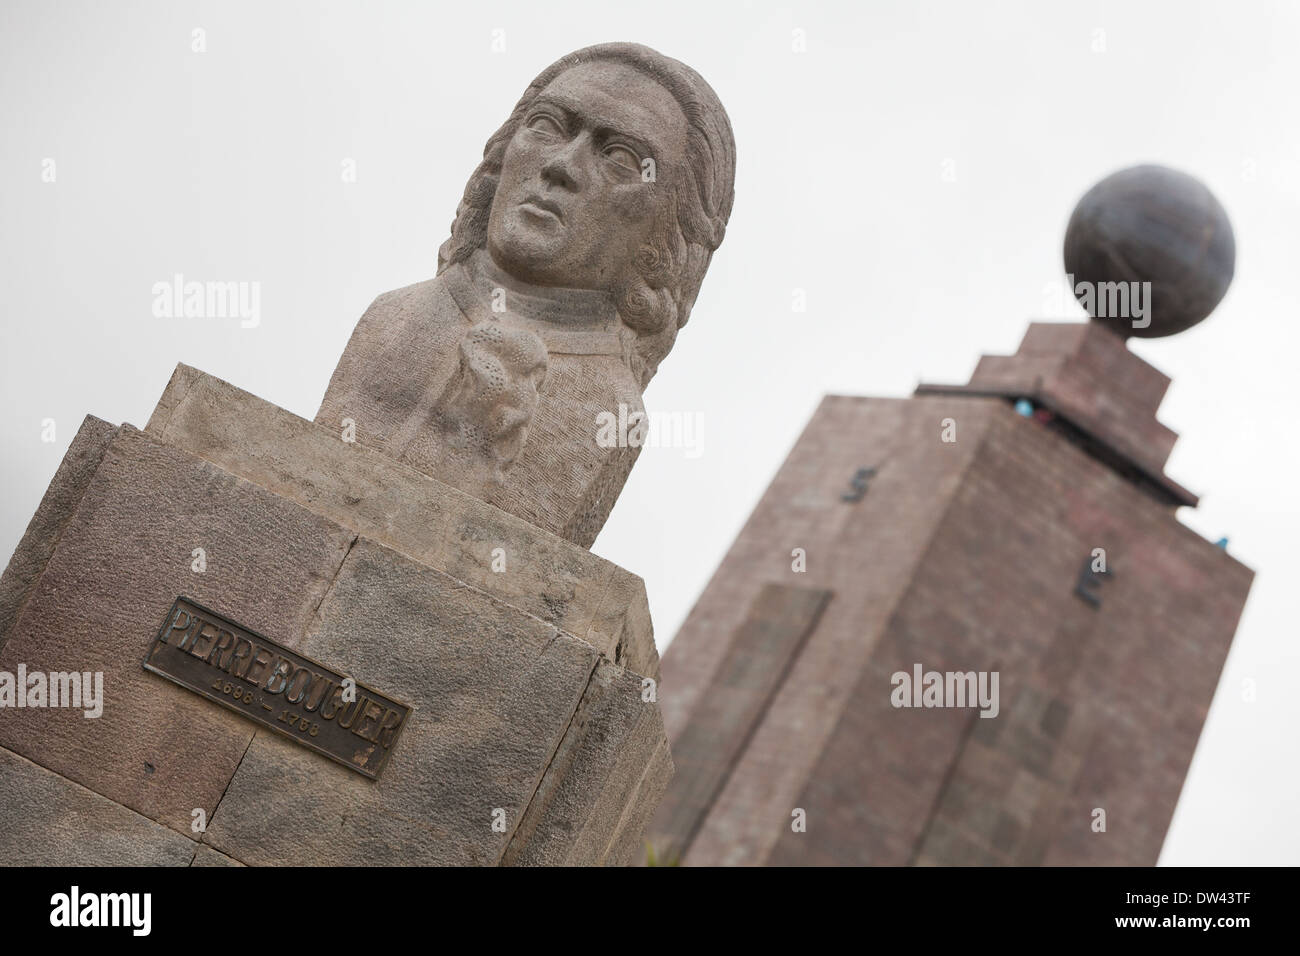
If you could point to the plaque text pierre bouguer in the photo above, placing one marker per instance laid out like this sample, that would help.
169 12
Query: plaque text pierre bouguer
277 688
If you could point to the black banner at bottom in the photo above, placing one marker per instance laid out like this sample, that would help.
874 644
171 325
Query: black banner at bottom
132 905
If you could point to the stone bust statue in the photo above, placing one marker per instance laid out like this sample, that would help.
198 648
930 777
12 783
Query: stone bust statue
576 254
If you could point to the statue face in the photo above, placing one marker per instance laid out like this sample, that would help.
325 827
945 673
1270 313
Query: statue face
571 206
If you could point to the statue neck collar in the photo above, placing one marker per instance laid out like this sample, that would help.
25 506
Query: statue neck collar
504 296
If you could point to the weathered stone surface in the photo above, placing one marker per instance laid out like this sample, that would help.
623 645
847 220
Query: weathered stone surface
546 576
492 693
578 812
60 501
622 619
630 846
206 856
47 820
576 255
123 557
422 354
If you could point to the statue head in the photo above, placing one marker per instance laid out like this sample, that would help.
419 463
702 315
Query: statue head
614 172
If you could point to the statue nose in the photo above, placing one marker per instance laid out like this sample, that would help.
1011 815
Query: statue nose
562 168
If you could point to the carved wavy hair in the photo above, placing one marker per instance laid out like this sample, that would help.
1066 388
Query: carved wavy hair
657 294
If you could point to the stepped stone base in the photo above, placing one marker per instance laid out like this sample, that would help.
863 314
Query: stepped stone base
529 741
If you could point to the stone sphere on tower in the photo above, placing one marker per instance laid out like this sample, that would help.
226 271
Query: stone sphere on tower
1149 224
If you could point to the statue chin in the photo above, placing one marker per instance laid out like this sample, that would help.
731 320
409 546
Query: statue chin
535 248
531 259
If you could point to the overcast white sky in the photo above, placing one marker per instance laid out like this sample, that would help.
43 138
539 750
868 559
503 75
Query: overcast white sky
225 165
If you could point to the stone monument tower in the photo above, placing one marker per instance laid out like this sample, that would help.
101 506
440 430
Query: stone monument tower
966 627
379 637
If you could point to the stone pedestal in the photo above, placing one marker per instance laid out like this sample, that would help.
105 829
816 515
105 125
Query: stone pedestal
524 658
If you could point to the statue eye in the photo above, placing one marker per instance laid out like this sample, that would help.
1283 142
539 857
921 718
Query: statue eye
545 124
623 156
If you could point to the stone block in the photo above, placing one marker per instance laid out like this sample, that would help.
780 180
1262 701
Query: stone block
589 797
492 692
47 820
206 856
390 502
56 507
122 559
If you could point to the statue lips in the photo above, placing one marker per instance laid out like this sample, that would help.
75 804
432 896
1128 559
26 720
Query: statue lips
535 203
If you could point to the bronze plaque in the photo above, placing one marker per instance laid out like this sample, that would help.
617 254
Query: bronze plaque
276 687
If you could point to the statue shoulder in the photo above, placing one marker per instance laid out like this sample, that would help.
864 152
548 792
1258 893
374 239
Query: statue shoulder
429 299
402 327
